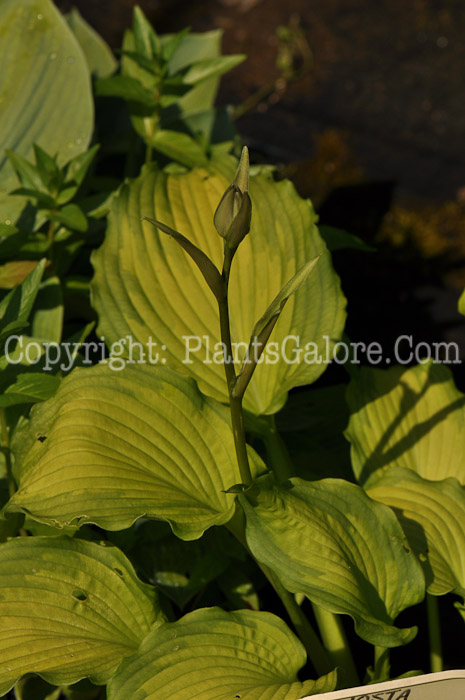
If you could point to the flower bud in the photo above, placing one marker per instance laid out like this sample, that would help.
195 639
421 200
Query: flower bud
232 216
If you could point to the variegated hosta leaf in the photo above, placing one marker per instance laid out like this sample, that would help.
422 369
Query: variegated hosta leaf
69 609
145 285
432 515
412 418
347 553
210 654
116 446
46 90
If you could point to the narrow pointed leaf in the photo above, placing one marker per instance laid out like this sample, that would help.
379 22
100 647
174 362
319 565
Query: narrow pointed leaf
205 265
14 272
16 306
264 326
27 173
30 388
145 37
411 418
215 655
69 609
347 553
210 68
432 514
122 445
53 107
144 285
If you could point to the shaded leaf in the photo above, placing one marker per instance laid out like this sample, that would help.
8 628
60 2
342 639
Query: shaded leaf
30 388
432 514
16 306
15 272
347 553
411 418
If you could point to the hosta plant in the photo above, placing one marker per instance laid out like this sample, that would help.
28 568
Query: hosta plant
159 537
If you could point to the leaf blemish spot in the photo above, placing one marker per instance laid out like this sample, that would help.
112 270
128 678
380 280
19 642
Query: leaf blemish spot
79 595
118 571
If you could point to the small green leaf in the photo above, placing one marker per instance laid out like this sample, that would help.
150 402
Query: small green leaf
171 43
207 268
215 655
30 387
126 87
71 216
28 174
16 306
347 553
211 68
47 323
69 609
43 199
47 166
14 272
145 39
179 147
78 166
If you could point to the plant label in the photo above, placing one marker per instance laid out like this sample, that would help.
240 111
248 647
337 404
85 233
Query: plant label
447 685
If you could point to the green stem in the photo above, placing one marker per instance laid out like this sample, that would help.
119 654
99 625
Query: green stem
307 635
7 452
434 633
278 456
382 665
335 641
235 404
148 153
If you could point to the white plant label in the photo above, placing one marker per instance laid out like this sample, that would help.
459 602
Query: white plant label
447 685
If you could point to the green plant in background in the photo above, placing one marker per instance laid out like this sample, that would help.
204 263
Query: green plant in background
153 502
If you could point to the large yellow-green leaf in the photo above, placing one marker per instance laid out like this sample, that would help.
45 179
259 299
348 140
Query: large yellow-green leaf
347 553
210 654
69 609
146 286
116 446
412 418
432 515
45 91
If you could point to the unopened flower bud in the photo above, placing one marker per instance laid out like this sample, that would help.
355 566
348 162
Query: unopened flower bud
232 216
